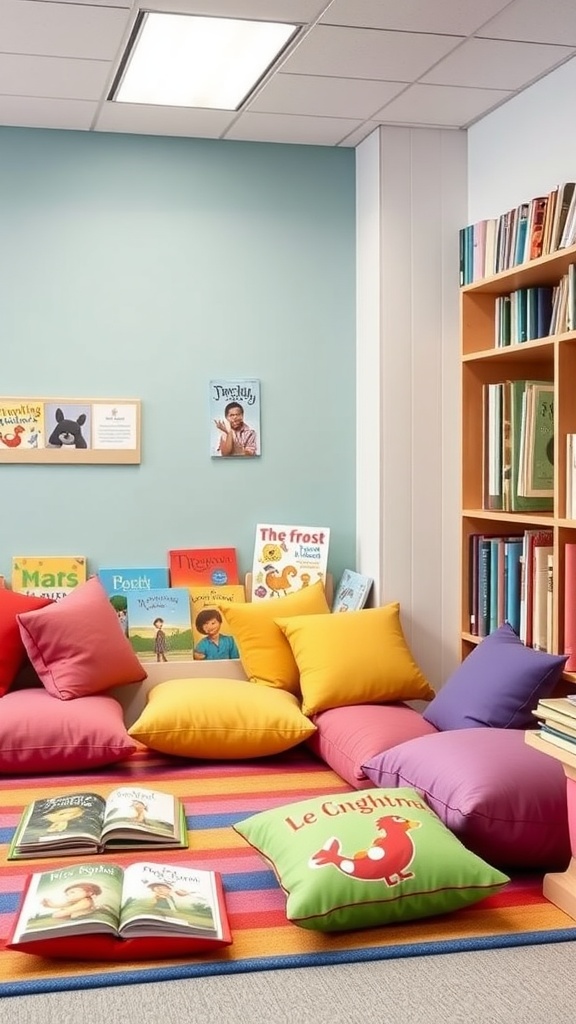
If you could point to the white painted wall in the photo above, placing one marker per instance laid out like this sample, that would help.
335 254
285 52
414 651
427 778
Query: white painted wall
524 148
410 204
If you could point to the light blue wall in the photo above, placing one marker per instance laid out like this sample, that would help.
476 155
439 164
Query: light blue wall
142 267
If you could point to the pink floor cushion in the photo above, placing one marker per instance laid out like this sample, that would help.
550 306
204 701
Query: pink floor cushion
348 737
503 799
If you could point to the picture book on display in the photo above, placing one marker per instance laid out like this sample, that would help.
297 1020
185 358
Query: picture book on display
160 624
131 817
287 558
203 567
22 424
118 583
352 591
52 576
102 911
212 639
234 418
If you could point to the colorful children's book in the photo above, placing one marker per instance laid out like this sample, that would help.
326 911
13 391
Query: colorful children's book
234 418
203 567
99 910
160 624
130 818
51 576
213 640
22 424
118 583
287 558
352 591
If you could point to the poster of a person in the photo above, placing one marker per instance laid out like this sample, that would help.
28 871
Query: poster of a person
235 418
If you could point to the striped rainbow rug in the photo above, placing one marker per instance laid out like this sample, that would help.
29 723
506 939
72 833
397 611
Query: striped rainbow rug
216 795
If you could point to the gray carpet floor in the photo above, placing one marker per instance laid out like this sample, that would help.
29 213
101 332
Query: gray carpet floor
525 985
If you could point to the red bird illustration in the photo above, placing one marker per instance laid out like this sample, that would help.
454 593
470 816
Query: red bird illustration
388 859
13 440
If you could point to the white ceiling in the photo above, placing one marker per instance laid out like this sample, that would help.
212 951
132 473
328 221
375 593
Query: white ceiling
355 64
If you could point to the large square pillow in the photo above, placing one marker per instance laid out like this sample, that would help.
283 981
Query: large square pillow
77 647
348 737
264 651
40 735
497 685
12 650
356 860
503 799
358 658
221 719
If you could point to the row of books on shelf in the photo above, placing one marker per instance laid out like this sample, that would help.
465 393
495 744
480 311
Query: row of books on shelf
536 312
511 579
532 229
557 721
178 610
518 446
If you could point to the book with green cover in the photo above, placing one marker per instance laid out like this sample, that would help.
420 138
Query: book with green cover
130 818
518 501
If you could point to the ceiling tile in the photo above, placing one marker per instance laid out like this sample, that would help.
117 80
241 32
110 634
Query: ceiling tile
492 63
451 16
534 21
61 30
35 112
315 131
363 53
440 105
90 3
60 78
324 97
161 120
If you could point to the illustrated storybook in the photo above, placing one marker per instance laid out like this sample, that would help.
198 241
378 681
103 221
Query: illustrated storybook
287 558
213 640
203 567
91 911
52 576
160 624
119 582
131 817
352 591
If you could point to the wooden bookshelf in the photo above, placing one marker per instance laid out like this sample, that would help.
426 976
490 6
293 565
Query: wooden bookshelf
552 358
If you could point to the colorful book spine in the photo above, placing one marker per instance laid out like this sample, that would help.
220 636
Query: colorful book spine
570 606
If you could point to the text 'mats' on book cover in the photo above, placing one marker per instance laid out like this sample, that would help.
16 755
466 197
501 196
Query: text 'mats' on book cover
287 558
52 576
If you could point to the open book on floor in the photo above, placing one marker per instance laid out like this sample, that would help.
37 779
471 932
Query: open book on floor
100 911
130 818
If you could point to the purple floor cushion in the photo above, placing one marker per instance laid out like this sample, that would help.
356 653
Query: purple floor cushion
503 799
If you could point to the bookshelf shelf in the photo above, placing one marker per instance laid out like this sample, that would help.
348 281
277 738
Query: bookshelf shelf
485 363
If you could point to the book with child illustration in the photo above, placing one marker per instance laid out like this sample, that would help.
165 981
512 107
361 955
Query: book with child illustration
213 640
119 582
131 817
91 911
288 558
160 624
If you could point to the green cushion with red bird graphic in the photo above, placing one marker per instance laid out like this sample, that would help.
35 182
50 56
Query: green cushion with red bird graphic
363 859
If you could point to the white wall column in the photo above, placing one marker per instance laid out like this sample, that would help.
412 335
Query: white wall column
411 202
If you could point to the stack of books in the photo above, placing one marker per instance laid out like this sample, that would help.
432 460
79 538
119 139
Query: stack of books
557 720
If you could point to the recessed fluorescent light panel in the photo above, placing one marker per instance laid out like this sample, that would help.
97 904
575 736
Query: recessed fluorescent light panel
183 61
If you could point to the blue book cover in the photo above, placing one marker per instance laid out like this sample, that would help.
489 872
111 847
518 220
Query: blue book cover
352 591
119 582
512 555
160 624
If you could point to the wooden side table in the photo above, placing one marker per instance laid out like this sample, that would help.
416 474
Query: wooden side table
560 887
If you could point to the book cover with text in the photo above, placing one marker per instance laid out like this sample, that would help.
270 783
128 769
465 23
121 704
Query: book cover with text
118 583
22 424
203 567
160 624
52 576
352 591
234 418
288 558
213 639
